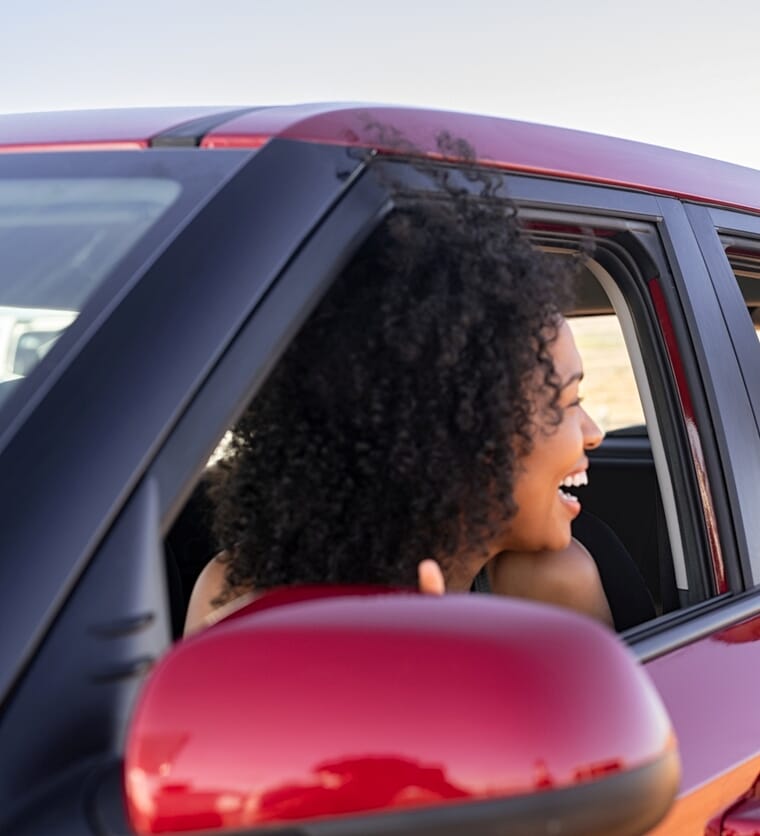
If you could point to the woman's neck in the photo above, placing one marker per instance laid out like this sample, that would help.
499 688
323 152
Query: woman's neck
460 572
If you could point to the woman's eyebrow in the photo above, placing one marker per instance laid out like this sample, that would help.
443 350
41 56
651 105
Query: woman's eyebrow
573 377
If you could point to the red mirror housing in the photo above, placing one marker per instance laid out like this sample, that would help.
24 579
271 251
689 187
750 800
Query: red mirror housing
397 711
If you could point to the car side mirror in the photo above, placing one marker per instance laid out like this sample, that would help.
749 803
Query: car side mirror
357 711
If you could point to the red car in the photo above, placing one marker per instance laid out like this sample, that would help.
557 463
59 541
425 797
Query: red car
153 265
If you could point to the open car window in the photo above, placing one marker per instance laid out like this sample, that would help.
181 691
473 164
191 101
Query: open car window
631 488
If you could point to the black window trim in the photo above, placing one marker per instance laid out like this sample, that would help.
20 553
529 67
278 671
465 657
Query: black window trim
712 371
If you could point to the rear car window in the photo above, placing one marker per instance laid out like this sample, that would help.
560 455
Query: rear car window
746 266
59 238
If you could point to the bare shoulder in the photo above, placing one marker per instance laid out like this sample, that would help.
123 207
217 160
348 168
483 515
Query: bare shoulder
573 567
210 585
568 578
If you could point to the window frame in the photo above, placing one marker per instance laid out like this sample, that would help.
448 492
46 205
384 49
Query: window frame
621 268
637 213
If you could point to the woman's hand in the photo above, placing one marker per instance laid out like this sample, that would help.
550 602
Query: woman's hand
430 578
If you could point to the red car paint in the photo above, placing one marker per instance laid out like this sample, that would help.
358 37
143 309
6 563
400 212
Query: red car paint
336 758
704 670
90 129
710 689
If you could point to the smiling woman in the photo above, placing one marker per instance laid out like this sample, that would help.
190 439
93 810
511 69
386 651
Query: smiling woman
429 409
536 557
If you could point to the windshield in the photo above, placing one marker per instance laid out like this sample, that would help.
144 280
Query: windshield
59 238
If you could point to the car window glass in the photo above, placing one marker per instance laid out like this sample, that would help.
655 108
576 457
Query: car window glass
59 238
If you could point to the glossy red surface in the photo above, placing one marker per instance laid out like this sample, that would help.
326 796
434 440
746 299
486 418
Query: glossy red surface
744 820
361 703
710 689
519 146
128 128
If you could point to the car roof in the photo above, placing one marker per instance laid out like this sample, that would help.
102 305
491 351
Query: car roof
503 143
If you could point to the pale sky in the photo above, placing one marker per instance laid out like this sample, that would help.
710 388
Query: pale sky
680 73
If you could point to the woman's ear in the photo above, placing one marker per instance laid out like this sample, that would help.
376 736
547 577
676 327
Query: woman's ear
430 578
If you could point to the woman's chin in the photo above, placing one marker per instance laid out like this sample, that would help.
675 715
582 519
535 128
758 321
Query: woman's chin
559 539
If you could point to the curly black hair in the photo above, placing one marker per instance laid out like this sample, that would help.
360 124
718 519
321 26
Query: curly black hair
389 431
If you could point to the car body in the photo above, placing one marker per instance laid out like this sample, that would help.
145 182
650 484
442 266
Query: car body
206 237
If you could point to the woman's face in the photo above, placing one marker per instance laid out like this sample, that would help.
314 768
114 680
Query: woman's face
556 460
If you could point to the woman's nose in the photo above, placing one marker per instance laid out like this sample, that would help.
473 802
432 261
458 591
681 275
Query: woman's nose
592 434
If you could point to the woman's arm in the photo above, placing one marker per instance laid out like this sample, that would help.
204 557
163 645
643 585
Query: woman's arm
201 612
210 586
568 578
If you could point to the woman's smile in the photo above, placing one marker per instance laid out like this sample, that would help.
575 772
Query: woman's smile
557 459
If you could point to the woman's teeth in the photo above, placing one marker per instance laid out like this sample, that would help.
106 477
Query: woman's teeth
576 480
568 497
